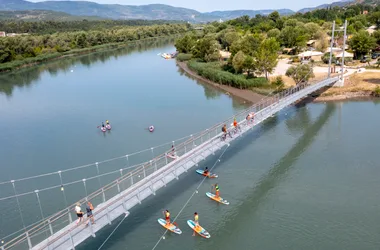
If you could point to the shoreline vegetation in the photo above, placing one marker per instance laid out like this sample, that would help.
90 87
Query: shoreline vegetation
29 50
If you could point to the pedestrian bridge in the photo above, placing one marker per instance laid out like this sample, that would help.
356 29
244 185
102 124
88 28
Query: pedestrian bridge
60 231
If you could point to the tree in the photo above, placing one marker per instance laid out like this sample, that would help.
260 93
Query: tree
238 62
361 43
266 56
206 49
312 29
293 37
248 44
185 44
376 35
322 42
275 33
274 16
301 73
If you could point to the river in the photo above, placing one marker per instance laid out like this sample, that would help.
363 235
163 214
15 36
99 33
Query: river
305 179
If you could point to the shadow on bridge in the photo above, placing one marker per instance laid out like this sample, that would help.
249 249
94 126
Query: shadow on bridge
141 214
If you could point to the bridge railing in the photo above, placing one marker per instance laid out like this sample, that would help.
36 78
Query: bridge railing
52 224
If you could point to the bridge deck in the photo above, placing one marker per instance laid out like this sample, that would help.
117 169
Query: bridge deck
106 212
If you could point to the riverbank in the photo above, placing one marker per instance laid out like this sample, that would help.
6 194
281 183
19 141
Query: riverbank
243 94
357 85
34 61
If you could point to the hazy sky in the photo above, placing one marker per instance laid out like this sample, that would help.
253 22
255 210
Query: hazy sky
211 5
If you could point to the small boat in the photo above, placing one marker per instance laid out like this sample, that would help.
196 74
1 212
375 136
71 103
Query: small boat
108 126
103 129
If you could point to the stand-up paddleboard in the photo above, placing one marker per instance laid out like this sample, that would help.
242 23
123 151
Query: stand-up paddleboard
103 129
200 230
171 227
172 156
201 172
220 199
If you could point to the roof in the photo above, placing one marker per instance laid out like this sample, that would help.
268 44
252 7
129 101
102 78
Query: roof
310 53
224 54
346 54
310 42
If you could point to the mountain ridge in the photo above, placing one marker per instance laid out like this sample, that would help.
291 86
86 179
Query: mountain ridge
142 12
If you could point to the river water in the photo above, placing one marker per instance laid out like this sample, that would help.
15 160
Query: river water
305 179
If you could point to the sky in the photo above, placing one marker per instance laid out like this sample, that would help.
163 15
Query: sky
212 5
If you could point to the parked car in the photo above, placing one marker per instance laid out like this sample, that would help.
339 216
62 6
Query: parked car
364 59
375 55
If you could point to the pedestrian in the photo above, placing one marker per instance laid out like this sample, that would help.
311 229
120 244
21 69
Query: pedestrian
90 216
79 212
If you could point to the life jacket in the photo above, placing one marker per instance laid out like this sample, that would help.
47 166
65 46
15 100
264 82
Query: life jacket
216 187
196 217
167 215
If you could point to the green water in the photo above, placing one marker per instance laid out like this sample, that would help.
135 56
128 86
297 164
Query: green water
305 179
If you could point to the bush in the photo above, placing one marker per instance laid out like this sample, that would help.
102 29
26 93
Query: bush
214 73
376 92
295 59
278 82
184 57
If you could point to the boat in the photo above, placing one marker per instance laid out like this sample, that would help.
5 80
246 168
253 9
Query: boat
103 129
219 199
199 230
108 126
171 227
202 172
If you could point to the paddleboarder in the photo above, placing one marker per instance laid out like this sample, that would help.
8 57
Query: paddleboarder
167 217
196 217
216 187
206 172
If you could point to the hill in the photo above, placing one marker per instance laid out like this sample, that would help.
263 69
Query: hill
116 11
324 6
42 15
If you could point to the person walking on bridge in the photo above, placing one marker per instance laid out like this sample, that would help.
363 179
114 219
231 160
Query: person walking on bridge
90 216
225 131
79 212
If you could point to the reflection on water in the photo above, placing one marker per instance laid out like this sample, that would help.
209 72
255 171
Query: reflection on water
28 76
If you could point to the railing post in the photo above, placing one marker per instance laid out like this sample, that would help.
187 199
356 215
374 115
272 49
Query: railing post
104 196
118 186
50 227
144 171
91 229
131 179
29 241
72 241
70 218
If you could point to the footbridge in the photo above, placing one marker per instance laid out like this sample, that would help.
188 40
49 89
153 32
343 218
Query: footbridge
133 183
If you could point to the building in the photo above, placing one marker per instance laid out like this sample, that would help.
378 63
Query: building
311 43
224 55
2 34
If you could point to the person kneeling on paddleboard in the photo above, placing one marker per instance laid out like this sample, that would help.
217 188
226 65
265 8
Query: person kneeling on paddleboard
167 217
216 187
196 217
206 172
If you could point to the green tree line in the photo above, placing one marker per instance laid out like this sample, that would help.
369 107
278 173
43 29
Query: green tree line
31 46
49 27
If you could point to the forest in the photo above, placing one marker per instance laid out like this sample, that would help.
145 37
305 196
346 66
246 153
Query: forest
37 47
49 27
255 43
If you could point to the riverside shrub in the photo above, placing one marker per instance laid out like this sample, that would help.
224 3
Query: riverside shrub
214 73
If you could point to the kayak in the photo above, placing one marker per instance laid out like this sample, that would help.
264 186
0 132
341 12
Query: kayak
201 172
220 199
171 227
108 126
200 230
103 129
172 156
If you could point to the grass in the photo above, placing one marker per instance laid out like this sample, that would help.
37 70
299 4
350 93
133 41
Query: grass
366 82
